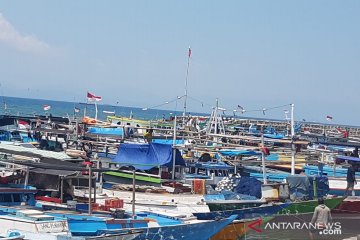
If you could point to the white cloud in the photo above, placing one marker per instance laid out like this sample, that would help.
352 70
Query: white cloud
11 37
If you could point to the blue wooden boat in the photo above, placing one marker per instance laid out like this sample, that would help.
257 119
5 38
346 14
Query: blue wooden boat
245 213
17 194
153 226
198 230
269 132
212 172
13 235
327 171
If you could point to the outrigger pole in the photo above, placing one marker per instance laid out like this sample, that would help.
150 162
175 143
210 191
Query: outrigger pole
186 81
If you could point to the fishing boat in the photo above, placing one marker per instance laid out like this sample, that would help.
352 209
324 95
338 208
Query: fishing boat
338 186
17 194
309 206
149 158
235 230
336 175
269 132
266 212
12 235
33 224
193 229
245 213
271 209
174 204
231 204
139 124
151 225
114 235
211 172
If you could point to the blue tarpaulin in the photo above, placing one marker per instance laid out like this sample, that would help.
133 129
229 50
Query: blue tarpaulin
249 186
147 156
347 158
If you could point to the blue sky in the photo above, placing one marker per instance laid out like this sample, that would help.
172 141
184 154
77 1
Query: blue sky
257 54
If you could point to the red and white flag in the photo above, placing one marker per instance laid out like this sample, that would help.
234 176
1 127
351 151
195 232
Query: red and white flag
92 97
329 118
46 107
23 124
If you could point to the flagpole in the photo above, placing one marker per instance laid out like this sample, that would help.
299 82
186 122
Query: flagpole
292 141
186 81
96 110
85 107
74 108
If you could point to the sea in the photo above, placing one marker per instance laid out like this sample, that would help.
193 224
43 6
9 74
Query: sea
33 107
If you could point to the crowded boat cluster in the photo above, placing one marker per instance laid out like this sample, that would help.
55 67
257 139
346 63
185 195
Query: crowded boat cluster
185 177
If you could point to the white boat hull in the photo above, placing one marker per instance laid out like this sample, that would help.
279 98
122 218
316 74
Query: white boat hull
338 185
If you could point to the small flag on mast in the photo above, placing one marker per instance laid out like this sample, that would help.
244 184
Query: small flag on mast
189 52
329 118
46 107
92 97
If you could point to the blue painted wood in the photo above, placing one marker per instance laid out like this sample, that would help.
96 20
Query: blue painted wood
245 213
195 231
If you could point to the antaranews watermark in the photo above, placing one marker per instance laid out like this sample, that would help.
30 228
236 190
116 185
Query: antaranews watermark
333 228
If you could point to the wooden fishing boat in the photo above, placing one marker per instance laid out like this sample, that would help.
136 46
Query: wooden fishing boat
222 205
151 225
33 224
350 205
239 228
234 230
309 206
12 235
245 213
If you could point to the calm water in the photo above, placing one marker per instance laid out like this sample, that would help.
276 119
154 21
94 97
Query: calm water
30 107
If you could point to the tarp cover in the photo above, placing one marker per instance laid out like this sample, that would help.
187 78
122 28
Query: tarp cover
147 156
302 188
347 158
299 186
322 186
249 186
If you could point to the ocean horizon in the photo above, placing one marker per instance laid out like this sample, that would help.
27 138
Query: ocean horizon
32 107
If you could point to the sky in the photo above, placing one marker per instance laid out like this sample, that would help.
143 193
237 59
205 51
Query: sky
253 54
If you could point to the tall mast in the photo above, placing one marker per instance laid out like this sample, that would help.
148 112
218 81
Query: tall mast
263 155
292 141
186 81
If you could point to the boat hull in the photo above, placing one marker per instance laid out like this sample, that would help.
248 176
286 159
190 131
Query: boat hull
338 186
309 206
246 213
193 231
232 205
235 230
126 178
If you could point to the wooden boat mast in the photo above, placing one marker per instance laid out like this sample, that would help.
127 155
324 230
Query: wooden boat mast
263 155
292 141
174 151
186 81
